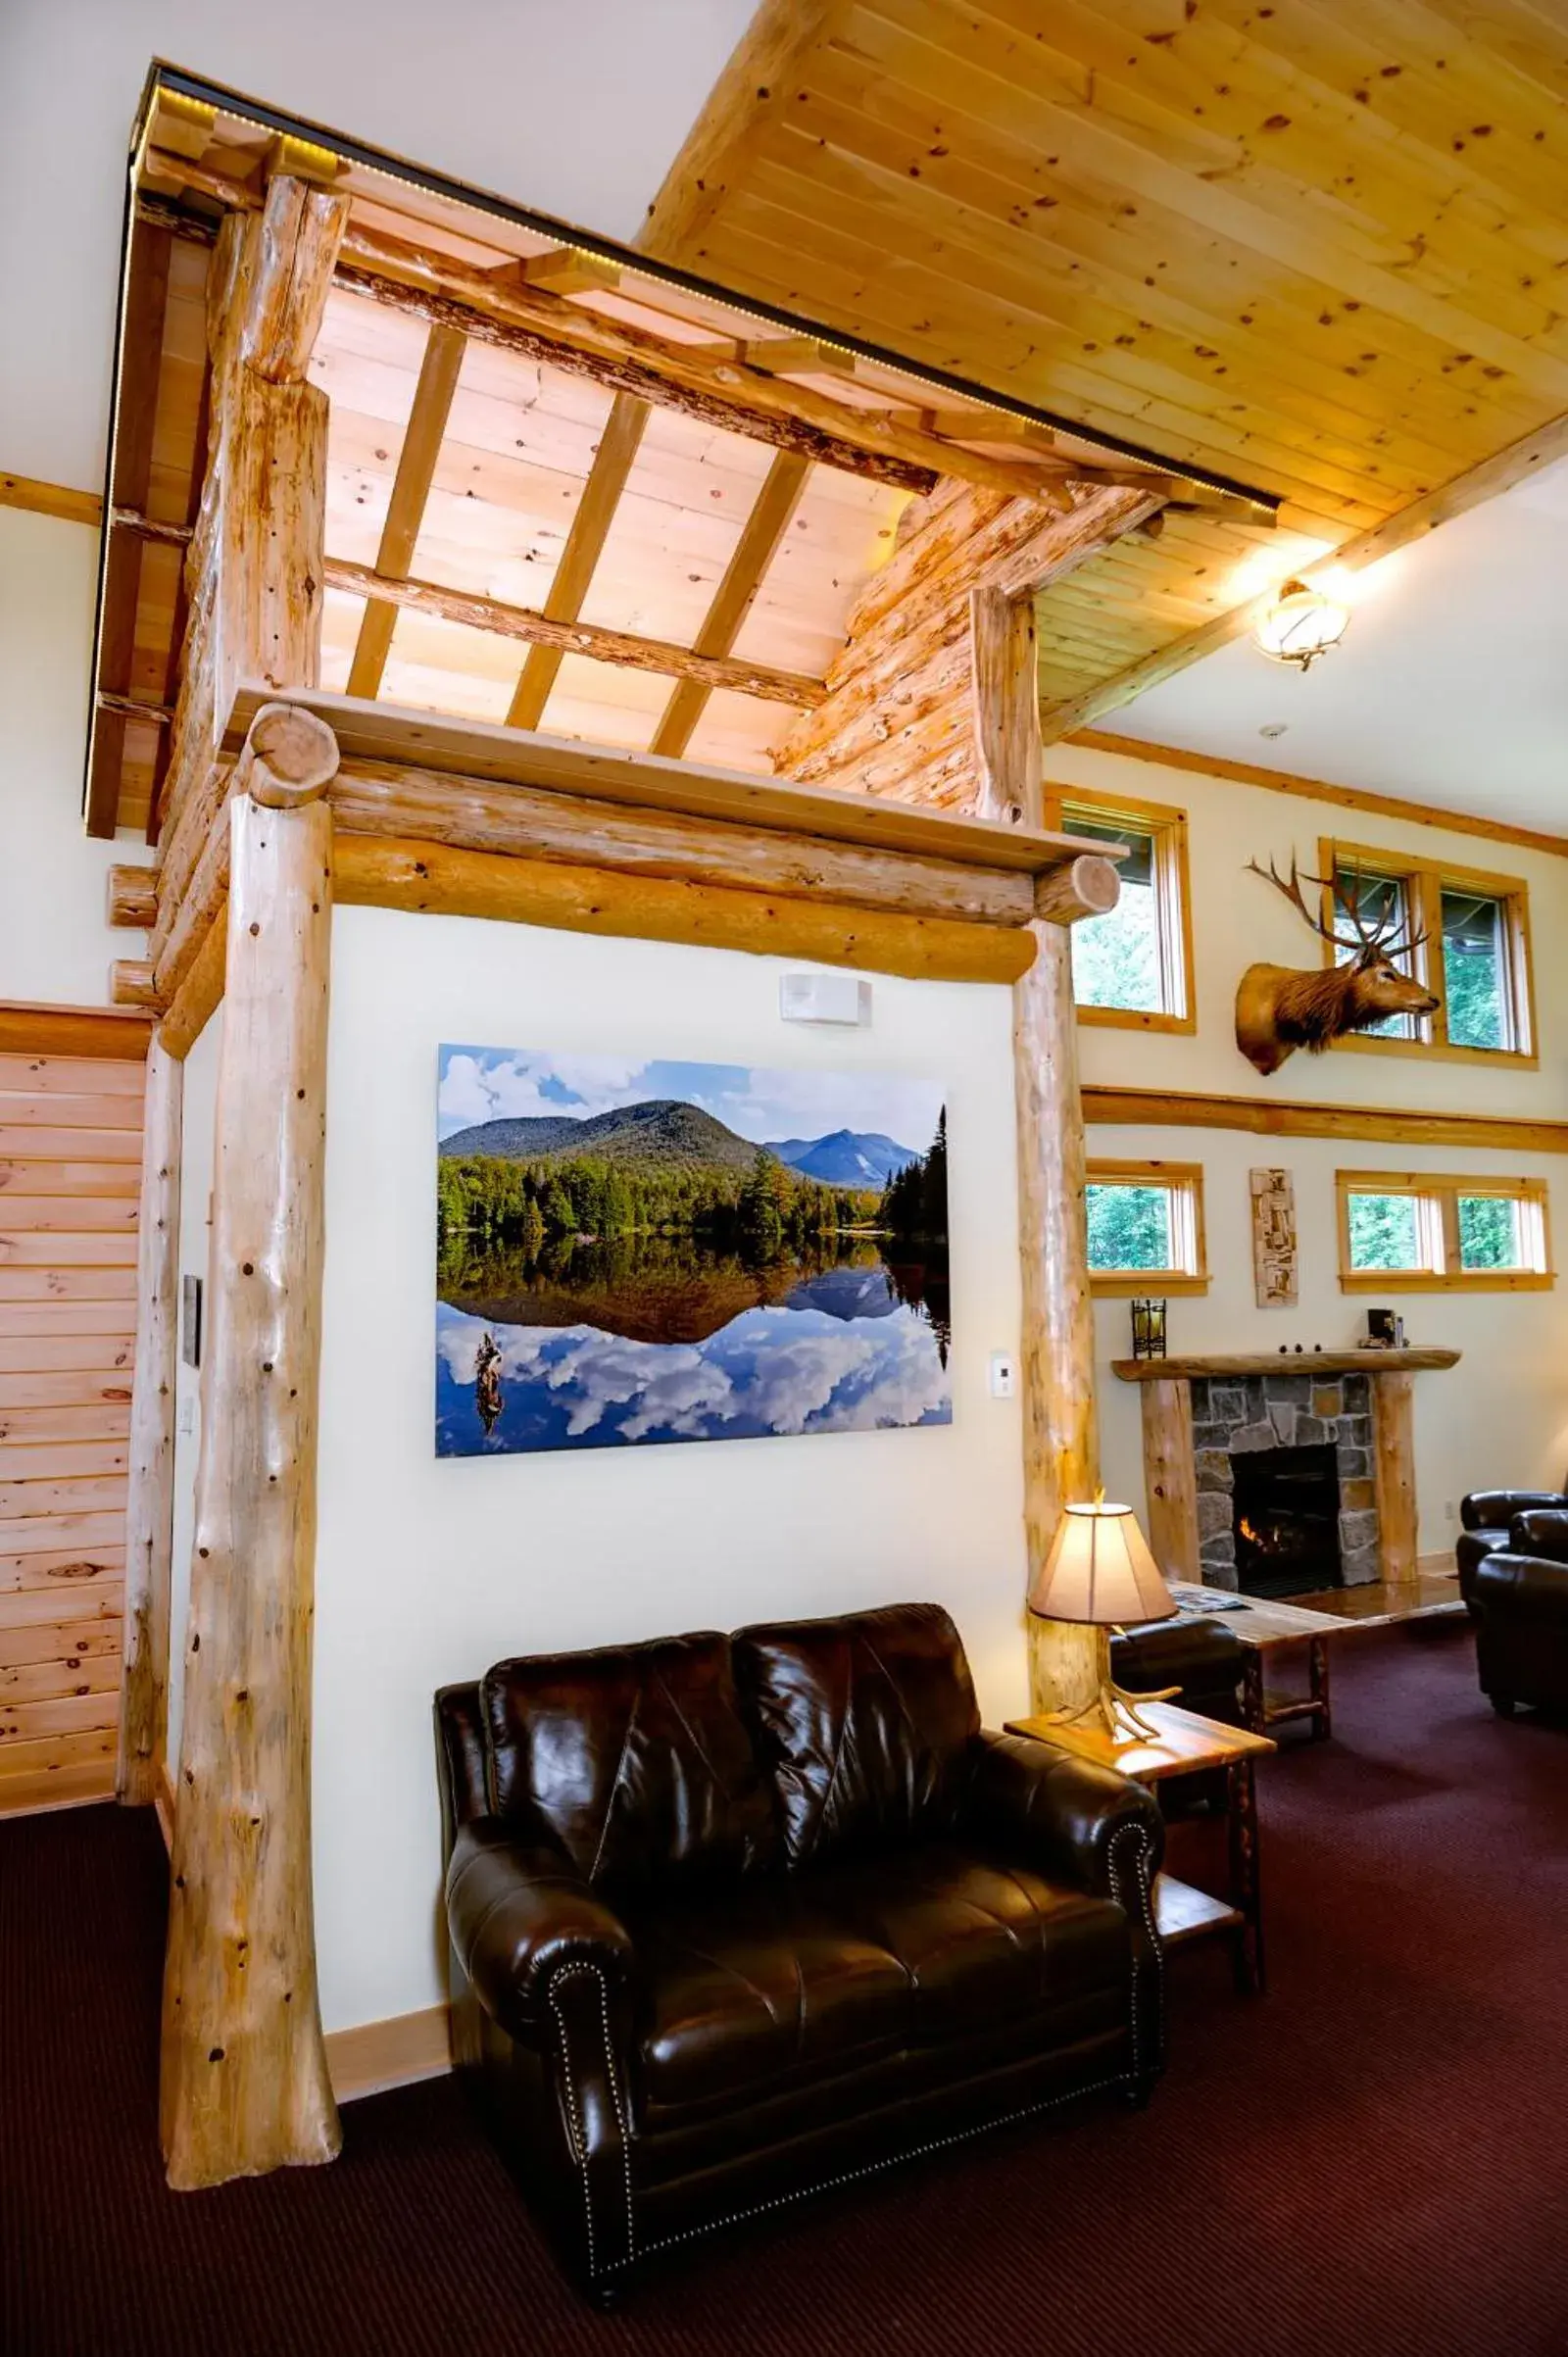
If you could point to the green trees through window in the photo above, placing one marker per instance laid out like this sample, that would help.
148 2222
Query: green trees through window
1115 958
1129 1227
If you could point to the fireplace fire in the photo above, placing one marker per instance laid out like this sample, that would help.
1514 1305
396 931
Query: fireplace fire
1286 1519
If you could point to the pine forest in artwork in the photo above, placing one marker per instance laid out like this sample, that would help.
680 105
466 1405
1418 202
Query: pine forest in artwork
632 1251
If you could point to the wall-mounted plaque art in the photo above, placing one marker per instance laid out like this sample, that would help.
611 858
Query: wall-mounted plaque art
659 1250
1274 1239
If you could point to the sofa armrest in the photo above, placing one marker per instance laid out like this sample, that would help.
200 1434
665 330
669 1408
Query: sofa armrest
1494 1509
1542 1531
521 1917
1063 1815
1525 1585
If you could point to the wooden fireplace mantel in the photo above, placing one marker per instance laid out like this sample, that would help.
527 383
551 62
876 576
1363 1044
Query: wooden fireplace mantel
1414 1361
1170 1469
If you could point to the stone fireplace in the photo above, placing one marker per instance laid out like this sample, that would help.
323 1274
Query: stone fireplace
1280 1415
1202 1416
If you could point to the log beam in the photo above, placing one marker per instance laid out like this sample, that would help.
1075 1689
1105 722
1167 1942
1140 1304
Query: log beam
411 489
380 872
383 798
150 1496
1088 886
706 667
133 898
244 2076
618 446
765 528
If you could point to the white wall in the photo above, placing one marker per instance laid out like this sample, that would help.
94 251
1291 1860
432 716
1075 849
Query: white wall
55 943
1501 1416
429 1570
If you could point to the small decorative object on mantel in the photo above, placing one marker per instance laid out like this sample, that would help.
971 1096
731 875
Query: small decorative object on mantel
1274 1239
1385 1330
1279 1008
1148 1329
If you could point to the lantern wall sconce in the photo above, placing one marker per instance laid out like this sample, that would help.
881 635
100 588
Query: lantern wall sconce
1148 1329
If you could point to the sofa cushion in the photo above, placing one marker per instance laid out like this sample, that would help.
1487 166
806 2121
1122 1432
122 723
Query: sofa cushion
983 1942
865 1724
635 1759
749 1991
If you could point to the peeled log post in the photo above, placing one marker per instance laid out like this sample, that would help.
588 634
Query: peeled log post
244 2085
1393 1473
1170 1478
150 1498
1060 1436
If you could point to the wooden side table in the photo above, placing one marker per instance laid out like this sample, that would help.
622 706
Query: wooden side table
1187 1745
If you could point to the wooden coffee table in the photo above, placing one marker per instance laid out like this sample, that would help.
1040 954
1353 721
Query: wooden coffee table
1267 1626
1188 1746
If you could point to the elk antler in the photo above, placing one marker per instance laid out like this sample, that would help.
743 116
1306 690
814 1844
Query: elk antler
1378 939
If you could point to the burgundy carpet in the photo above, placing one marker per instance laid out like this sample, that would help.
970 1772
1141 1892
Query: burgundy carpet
1372 2159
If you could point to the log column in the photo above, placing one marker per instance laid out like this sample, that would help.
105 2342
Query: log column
150 1497
245 2085
1057 1363
1393 1473
1170 1476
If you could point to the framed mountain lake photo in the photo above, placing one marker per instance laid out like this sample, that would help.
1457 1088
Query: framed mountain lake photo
665 1251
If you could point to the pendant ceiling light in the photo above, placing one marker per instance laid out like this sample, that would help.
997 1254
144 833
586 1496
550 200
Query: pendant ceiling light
1301 626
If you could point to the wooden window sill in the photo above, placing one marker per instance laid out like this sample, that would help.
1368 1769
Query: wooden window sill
1513 1060
1134 1018
1111 1284
1430 1280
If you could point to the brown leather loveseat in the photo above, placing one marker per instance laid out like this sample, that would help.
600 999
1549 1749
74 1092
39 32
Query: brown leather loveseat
737 1918
1519 1601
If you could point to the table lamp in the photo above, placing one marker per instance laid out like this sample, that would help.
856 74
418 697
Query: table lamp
1100 1573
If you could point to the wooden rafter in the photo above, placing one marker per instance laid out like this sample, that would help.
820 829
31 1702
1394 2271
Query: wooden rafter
1494 475
411 489
754 551
692 664
590 527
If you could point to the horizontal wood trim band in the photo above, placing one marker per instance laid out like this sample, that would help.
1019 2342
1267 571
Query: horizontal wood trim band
1316 789
66 1786
111 1031
51 499
433 878
377 2055
1285 1117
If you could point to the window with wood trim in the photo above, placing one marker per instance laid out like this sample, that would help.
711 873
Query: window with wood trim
1410 1231
1134 966
1471 949
1145 1228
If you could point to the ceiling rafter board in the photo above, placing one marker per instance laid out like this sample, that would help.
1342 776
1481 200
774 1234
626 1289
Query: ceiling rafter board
1252 204
1032 273
1295 294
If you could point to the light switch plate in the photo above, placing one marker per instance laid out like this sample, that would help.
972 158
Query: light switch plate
1004 1375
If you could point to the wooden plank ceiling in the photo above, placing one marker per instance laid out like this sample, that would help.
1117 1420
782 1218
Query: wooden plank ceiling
566 491
1317 244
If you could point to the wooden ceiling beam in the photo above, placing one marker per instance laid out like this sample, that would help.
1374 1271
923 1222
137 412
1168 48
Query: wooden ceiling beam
765 528
624 648
618 444
411 490
1501 473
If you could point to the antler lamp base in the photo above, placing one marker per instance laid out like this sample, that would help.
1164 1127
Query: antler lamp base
1112 1707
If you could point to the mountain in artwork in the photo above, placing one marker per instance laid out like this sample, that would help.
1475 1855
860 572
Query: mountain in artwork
845 1157
668 1134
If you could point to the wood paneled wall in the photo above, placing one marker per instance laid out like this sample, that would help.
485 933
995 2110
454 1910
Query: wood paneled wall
70 1133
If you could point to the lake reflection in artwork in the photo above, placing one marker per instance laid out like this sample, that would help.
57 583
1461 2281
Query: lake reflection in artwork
643 1253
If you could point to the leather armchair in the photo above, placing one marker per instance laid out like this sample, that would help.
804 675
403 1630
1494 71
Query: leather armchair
735 1918
1485 1518
1519 1600
1199 1653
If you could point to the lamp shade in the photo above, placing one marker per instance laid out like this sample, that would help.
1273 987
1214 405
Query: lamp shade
1099 1570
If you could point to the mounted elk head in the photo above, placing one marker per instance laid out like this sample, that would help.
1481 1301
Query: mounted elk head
1279 1008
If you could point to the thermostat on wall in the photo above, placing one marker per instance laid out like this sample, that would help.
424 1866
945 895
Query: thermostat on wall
825 998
